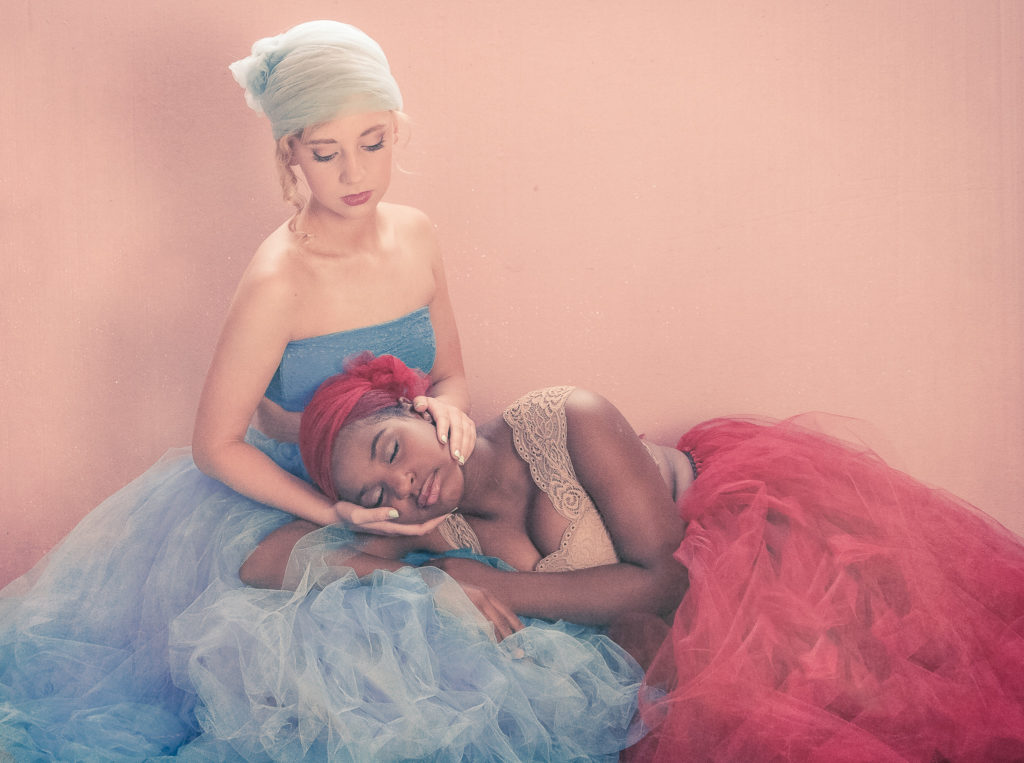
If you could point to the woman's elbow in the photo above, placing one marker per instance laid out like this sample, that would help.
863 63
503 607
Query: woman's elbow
207 455
255 573
665 589
203 461
249 574
266 565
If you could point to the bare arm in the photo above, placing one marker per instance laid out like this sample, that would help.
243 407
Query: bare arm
267 564
615 469
249 349
448 403
448 376
265 567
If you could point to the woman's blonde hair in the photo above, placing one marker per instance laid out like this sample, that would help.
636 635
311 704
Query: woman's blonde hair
311 74
316 72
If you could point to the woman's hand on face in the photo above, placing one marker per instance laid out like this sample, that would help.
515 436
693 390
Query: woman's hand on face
379 521
454 428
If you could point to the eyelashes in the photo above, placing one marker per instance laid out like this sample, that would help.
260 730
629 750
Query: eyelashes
391 458
375 147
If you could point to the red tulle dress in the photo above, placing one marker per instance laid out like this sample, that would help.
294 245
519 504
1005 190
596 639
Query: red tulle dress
838 610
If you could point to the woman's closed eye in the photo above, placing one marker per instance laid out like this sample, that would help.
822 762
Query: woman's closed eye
317 156
371 496
375 498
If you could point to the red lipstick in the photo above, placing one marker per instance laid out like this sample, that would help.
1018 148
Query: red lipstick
357 199
430 491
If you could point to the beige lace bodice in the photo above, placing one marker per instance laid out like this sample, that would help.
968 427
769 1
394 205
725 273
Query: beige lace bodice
537 421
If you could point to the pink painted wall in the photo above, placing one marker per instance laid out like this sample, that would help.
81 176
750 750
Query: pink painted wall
696 208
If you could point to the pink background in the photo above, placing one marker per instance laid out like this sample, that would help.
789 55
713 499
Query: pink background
696 208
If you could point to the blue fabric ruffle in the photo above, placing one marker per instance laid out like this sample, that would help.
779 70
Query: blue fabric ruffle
134 639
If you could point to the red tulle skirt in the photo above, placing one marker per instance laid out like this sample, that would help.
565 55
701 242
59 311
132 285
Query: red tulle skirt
838 610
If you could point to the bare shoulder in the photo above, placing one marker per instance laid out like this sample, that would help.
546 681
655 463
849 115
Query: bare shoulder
595 431
275 270
587 408
414 231
278 255
598 430
406 217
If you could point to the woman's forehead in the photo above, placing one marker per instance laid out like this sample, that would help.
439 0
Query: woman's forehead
352 125
351 452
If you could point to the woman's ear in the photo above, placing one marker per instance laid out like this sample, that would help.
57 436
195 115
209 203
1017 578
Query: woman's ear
400 129
286 149
408 407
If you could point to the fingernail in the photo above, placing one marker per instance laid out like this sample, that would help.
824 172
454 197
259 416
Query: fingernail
457 454
393 514
444 439
462 461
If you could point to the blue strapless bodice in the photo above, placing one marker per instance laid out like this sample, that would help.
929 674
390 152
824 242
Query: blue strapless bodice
307 363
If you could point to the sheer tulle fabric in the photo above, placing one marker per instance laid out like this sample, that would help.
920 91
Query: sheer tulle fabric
398 666
135 639
838 610
83 639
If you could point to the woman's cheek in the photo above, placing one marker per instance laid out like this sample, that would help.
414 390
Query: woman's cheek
455 486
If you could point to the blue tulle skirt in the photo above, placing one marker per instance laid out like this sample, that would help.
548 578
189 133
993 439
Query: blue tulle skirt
134 639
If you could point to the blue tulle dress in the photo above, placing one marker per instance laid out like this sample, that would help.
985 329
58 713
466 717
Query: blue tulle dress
135 640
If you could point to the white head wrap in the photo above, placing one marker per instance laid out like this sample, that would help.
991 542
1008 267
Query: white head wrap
316 72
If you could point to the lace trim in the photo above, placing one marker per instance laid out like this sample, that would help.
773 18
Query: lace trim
539 430
456 532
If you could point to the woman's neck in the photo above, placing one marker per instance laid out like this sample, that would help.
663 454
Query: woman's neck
489 476
326 233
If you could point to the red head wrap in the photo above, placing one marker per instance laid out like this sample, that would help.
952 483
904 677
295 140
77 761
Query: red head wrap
367 385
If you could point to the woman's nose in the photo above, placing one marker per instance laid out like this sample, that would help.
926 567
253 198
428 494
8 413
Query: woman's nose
402 484
351 169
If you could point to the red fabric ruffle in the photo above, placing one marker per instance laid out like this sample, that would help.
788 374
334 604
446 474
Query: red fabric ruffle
838 610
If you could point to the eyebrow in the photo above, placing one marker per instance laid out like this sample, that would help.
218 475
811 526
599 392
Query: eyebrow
361 495
363 134
373 445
